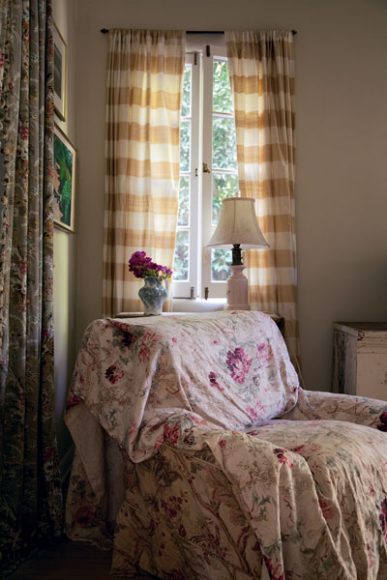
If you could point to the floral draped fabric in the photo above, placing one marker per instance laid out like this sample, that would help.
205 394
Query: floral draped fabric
30 487
194 439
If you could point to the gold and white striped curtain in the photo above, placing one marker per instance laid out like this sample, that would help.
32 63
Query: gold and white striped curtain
144 77
262 76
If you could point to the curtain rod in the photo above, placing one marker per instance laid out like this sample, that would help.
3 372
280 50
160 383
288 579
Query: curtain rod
106 30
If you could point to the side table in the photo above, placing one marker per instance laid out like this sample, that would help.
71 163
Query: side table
360 359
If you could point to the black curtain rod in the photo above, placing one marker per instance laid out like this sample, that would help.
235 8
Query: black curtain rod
106 30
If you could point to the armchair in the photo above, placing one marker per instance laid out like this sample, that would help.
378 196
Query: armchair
198 455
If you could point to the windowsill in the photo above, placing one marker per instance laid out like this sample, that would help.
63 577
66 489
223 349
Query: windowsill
197 304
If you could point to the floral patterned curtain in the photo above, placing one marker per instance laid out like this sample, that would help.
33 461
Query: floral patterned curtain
30 487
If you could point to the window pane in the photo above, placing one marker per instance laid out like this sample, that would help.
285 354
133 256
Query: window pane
187 90
225 185
224 144
221 98
181 258
220 269
183 217
185 145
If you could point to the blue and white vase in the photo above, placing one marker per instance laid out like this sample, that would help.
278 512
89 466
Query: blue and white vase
152 295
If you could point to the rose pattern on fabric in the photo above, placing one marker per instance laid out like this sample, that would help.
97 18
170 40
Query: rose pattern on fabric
213 381
282 457
265 352
383 421
238 364
113 374
256 412
383 518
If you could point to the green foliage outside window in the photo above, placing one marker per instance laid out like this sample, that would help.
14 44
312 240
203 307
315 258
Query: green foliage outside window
224 167
221 97
181 259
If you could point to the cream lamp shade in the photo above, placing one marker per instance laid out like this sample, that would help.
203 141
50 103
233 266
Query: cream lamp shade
238 226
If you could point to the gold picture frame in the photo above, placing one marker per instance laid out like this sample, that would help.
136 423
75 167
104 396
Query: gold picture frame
63 180
60 74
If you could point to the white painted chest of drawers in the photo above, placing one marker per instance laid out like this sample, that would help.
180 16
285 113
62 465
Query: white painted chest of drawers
360 359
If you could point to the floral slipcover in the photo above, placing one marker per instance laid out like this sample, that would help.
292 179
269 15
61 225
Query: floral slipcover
198 456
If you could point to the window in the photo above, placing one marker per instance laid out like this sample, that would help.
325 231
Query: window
208 174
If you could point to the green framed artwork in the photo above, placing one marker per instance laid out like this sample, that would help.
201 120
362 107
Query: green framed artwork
64 181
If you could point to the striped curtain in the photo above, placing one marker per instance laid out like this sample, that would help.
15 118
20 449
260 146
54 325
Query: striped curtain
144 77
262 76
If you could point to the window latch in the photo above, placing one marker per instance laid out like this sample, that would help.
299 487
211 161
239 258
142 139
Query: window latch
206 169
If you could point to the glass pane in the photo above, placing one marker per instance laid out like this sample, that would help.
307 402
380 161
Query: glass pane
221 98
224 144
225 185
183 217
220 265
181 259
185 145
187 91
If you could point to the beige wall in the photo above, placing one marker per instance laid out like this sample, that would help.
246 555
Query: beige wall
64 12
341 53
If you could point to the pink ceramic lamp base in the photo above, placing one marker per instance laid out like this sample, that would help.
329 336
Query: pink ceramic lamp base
237 290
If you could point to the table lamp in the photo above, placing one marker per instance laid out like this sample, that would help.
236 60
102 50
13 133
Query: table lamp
238 226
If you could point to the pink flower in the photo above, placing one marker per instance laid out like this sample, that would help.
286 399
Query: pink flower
84 516
113 374
383 417
383 518
213 381
171 433
282 457
172 506
142 267
72 401
143 353
265 352
148 341
238 364
274 570
326 508
256 411
24 132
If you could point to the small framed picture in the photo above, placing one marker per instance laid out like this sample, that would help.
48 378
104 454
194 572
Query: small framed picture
60 74
63 180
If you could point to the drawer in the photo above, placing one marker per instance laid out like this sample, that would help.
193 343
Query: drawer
371 375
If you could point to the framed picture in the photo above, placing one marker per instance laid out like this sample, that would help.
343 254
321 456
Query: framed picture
63 180
60 74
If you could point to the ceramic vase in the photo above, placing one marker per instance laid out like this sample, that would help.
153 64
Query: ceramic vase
153 295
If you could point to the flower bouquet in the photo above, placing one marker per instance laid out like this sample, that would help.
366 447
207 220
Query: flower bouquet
153 293
142 267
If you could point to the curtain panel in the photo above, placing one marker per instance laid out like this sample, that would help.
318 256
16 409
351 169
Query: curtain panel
144 78
30 486
262 78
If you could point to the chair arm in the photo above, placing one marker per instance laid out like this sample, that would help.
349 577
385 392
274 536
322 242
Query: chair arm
314 405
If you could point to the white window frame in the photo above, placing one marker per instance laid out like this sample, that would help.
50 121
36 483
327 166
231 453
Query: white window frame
201 182
182 288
